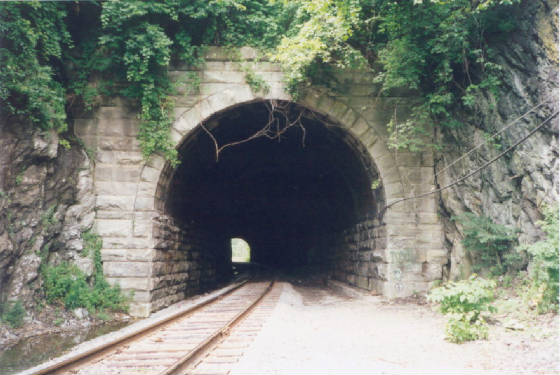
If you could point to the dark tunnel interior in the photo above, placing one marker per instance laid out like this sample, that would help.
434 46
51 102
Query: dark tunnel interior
287 197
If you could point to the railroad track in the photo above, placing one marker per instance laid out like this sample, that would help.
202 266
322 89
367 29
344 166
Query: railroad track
174 346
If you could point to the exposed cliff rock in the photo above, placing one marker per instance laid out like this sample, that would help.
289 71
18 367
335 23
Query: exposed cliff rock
46 202
514 189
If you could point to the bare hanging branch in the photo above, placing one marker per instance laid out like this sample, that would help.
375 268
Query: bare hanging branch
280 119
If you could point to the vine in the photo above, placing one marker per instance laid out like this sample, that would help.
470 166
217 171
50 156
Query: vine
147 36
56 55
32 38
320 44
438 51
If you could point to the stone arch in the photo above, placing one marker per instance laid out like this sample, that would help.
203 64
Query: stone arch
367 134
130 200
360 135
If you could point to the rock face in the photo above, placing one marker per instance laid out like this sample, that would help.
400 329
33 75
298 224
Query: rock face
513 190
46 202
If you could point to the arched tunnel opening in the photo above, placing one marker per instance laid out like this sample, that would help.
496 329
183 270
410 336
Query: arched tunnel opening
307 198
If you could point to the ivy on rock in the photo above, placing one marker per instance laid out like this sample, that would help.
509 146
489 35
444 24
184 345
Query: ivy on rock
144 37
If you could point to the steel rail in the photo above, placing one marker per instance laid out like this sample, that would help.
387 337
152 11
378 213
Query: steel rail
86 355
188 358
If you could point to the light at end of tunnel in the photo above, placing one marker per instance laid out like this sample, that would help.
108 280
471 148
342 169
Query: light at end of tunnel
240 251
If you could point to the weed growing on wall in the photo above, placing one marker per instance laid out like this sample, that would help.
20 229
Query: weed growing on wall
48 218
255 82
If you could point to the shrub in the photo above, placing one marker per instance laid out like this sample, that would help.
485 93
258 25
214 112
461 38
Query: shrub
464 301
13 313
475 294
460 328
67 284
490 245
544 264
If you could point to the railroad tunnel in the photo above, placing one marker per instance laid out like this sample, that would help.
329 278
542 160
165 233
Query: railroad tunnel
309 197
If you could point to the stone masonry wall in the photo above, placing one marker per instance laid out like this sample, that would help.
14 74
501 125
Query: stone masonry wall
130 191
359 253
187 261
414 255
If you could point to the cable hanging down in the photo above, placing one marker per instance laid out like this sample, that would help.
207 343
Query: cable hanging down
461 179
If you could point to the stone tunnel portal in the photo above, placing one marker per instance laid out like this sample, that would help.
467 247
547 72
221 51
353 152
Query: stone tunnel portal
307 198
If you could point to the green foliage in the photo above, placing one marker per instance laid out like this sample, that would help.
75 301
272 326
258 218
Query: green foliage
320 41
48 218
102 316
464 301
142 56
50 52
493 141
19 177
460 328
465 296
64 143
67 284
255 82
56 54
408 134
84 62
440 51
13 313
490 245
92 244
32 38
95 243
144 36
544 264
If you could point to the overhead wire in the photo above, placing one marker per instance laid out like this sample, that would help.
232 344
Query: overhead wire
485 165
492 137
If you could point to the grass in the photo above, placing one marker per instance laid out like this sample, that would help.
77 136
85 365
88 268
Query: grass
516 306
